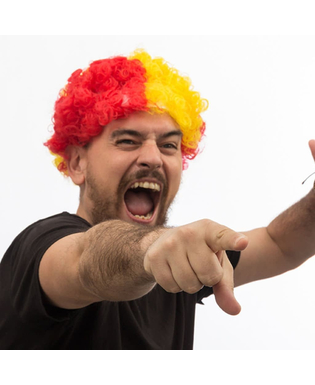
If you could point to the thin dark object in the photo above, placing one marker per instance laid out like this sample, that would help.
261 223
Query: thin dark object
308 177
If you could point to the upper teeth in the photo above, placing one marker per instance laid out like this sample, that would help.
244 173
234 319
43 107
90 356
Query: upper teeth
150 185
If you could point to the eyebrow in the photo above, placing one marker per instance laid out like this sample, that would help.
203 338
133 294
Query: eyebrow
125 131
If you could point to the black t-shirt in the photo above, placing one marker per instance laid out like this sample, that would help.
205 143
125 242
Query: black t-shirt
158 320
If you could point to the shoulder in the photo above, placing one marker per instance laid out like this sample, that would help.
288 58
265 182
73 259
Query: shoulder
54 227
57 222
34 240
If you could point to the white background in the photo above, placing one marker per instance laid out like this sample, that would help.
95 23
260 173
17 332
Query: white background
261 92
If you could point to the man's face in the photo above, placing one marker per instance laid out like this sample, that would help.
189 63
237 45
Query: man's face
133 170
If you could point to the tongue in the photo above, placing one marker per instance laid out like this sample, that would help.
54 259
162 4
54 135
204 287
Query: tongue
138 203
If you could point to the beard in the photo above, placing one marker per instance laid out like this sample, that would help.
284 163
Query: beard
107 206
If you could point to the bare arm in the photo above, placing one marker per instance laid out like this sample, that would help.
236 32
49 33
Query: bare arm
294 230
118 261
285 244
104 263
112 265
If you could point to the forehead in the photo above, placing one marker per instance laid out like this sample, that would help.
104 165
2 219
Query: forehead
145 124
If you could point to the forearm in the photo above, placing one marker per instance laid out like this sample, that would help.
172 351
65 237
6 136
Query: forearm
111 262
294 230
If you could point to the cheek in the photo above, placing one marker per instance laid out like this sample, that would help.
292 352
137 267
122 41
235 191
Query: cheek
110 168
176 185
175 177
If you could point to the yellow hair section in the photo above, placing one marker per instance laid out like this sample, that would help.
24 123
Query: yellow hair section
59 162
168 91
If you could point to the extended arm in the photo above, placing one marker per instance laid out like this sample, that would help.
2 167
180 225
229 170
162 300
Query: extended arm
286 243
104 263
294 231
119 261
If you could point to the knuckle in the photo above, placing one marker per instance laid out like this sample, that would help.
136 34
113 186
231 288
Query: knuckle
211 279
173 289
149 258
171 243
206 222
165 280
193 289
187 233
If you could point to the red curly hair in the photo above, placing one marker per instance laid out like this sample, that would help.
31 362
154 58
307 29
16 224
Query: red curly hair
114 88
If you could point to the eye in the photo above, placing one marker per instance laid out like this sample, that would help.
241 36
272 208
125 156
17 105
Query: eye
127 144
125 141
169 148
170 145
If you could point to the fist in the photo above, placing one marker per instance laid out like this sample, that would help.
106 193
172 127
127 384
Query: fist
189 257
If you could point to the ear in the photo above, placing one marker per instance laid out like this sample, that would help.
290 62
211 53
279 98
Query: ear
76 164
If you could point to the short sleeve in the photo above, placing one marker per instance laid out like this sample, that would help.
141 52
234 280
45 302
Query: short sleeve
20 265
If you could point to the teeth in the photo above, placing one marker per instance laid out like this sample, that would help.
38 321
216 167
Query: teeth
148 216
148 185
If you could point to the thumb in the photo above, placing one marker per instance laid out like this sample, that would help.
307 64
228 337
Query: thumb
220 238
224 290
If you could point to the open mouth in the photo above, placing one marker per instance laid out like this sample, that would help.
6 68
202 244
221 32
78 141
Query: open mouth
142 199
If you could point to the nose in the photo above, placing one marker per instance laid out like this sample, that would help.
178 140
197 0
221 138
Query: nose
149 156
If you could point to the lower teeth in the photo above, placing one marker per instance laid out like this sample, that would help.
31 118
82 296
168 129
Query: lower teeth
148 216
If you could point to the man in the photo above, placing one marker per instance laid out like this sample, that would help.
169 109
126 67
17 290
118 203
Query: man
113 276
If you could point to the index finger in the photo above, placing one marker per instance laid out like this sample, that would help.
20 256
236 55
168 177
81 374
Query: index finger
224 290
219 237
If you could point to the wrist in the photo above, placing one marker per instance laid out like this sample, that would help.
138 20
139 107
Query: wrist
150 238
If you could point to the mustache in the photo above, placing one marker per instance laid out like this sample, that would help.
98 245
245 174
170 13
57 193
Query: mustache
141 174
150 174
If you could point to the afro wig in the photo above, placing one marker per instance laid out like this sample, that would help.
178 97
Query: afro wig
114 88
